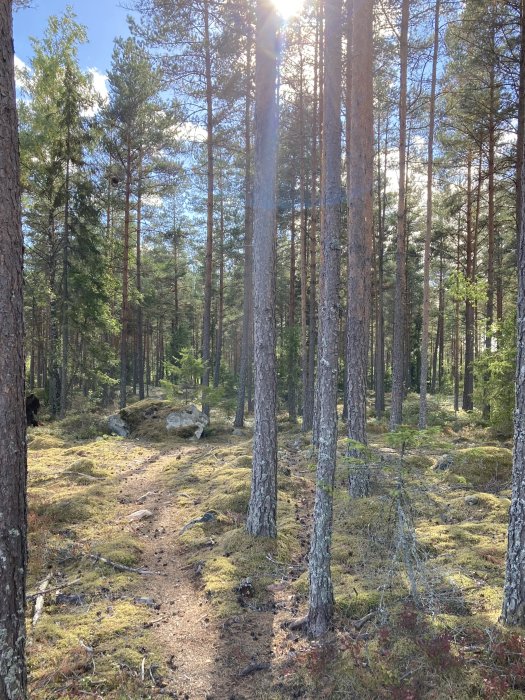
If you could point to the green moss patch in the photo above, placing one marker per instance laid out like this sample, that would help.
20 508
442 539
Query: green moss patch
482 466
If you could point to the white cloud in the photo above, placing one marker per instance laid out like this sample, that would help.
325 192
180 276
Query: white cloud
19 64
99 83
188 131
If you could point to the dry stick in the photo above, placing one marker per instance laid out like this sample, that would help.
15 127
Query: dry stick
39 605
121 567
31 596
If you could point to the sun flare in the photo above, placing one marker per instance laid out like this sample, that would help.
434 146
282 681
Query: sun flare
288 8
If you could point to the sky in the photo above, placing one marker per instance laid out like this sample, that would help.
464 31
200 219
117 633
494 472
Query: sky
104 19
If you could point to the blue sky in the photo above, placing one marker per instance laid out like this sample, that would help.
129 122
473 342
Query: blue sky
104 19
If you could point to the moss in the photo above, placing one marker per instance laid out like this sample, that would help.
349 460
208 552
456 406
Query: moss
73 509
45 441
483 466
355 603
121 548
418 461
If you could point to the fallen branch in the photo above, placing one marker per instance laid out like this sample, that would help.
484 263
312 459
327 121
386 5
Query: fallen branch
39 605
359 624
253 668
122 567
32 596
206 518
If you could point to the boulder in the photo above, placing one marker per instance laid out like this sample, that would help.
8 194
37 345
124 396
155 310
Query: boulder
188 422
118 425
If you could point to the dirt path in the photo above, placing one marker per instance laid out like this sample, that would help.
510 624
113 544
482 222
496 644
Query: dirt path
208 657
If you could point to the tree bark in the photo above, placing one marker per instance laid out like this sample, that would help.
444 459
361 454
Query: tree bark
423 379
468 374
247 306
398 362
262 510
125 285
139 348
220 309
513 610
13 532
360 234
321 602
208 271
292 354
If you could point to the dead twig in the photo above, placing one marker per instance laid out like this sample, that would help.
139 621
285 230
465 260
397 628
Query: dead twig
253 668
122 567
32 596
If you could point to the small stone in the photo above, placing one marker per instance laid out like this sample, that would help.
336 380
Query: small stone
142 514
472 500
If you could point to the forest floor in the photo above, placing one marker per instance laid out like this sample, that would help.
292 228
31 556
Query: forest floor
417 568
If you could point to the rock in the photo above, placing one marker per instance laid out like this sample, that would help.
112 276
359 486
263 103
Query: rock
149 602
187 422
238 432
444 462
118 425
145 497
472 500
142 514
245 588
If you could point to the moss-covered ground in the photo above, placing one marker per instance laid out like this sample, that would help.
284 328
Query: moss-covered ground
417 569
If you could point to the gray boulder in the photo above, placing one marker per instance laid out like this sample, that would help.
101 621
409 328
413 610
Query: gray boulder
118 425
189 422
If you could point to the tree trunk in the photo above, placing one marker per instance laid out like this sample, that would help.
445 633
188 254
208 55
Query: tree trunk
206 320
292 354
513 610
220 310
423 379
360 235
65 281
468 375
321 602
125 285
379 375
13 559
139 361
398 361
262 510
247 307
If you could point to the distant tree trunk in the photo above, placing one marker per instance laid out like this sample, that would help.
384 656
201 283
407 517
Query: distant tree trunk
468 375
321 602
360 234
292 353
247 307
139 347
423 379
379 374
262 510
314 218
13 552
456 328
220 310
208 271
125 285
490 220
398 358
65 281
307 401
513 610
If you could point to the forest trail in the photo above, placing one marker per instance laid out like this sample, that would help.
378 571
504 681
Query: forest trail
208 657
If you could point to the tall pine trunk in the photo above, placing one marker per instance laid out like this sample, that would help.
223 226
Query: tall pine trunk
398 357
321 602
513 610
208 266
125 285
247 306
13 559
262 510
423 379
360 234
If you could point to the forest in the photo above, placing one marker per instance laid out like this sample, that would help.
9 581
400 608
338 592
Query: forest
262 353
